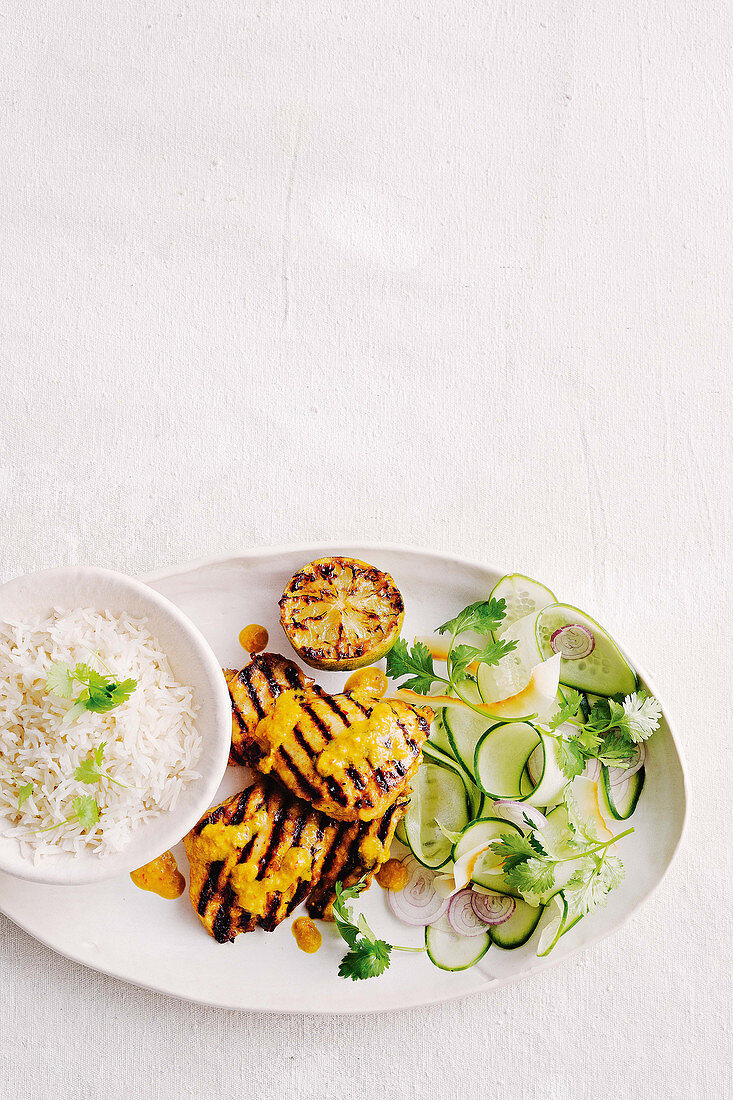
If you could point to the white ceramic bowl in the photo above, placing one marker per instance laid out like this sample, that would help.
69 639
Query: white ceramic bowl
193 663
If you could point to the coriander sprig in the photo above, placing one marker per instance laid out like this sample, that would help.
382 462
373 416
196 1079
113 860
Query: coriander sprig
417 664
368 956
611 733
89 769
530 864
99 693
86 812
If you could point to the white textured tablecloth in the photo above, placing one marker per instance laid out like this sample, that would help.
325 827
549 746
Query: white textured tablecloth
451 274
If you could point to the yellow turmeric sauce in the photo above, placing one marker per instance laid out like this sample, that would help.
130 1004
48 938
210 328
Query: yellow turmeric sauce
371 741
161 876
219 840
254 638
371 682
393 875
307 936
254 895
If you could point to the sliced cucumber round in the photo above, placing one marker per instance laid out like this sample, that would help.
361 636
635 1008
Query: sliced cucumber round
476 834
501 756
501 764
438 795
476 796
464 727
400 833
449 951
523 596
603 671
518 929
621 800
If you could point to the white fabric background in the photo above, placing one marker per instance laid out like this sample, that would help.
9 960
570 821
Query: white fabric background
452 274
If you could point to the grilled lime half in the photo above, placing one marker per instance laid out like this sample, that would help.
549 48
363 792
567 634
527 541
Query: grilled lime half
341 613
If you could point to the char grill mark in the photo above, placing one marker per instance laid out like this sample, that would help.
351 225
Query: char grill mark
408 740
356 778
222 925
336 792
317 722
209 886
304 784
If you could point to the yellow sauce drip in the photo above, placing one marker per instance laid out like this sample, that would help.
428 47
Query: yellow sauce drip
307 936
161 876
254 638
253 893
219 840
371 682
393 875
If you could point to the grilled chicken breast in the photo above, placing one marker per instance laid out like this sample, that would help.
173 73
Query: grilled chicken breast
256 856
347 755
253 859
354 850
253 692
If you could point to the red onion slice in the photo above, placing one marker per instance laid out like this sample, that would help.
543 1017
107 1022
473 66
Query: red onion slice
462 916
592 770
617 776
492 908
524 817
573 642
418 904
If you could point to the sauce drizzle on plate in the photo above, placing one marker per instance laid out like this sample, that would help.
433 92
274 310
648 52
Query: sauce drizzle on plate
161 876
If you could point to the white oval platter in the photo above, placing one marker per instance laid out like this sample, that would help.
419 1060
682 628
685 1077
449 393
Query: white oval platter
137 936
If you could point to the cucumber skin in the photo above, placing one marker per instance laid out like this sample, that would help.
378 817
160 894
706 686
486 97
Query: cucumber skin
449 766
457 969
513 942
638 781
583 687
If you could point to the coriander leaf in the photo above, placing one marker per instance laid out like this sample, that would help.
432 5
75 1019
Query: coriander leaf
611 871
364 928
534 878
82 672
484 617
24 793
98 753
569 709
461 657
342 914
615 751
418 662
641 715
87 772
60 680
365 960
105 694
513 849
571 758
587 888
80 705
493 652
86 809
605 714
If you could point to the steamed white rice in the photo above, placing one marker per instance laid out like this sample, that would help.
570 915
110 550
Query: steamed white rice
152 744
